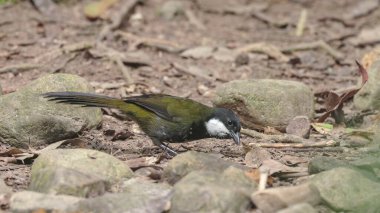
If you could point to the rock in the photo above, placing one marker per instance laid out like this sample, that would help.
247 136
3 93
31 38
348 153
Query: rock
369 96
275 199
138 196
4 189
242 59
210 191
255 157
1 90
369 163
300 126
27 201
198 52
183 164
299 208
64 181
266 102
170 9
29 119
224 54
344 189
86 161
322 163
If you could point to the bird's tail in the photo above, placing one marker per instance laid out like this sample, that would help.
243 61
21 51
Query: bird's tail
84 99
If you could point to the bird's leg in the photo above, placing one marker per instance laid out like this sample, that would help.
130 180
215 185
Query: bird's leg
165 147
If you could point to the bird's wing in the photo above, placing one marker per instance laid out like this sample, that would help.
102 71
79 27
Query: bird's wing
168 107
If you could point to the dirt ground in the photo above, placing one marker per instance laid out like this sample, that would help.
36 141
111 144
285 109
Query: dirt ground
28 34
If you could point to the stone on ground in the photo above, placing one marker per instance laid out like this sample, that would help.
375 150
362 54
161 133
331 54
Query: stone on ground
299 208
137 196
86 161
29 119
323 163
266 102
183 164
27 201
348 190
211 191
58 180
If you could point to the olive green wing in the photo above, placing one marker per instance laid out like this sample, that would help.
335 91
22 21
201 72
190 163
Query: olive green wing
171 108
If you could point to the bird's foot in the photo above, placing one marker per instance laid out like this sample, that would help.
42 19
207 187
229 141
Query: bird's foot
169 151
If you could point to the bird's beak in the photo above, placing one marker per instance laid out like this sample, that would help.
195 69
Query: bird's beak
235 136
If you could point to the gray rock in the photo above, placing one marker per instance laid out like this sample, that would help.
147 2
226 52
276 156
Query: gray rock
275 199
300 126
210 191
27 202
348 190
369 163
91 162
4 189
242 59
224 54
170 9
138 196
369 96
266 102
322 163
299 208
64 181
28 119
183 164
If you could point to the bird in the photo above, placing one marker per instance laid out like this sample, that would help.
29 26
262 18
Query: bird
164 118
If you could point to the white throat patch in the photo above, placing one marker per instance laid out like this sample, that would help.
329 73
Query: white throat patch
216 128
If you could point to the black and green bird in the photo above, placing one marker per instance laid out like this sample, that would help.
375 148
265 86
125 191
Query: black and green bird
164 118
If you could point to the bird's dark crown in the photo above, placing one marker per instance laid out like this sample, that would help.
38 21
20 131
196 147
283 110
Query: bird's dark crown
228 118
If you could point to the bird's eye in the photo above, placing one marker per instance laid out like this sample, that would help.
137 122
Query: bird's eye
229 123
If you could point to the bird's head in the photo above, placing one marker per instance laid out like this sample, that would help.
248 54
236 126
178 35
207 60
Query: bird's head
224 123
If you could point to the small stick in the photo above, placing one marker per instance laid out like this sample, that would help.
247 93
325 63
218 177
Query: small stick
19 68
183 69
264 172
117 58
265 48
159 44
194 20
319 144
119 18
301 23
313 45
285 138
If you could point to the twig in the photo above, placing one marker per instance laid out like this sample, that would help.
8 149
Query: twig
313 45
163 45
301 23
19 68
262 47
117 58
269 20
314 149
194 20
264 172
319 144
117 20
69 48
183 69
51 54
285 138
